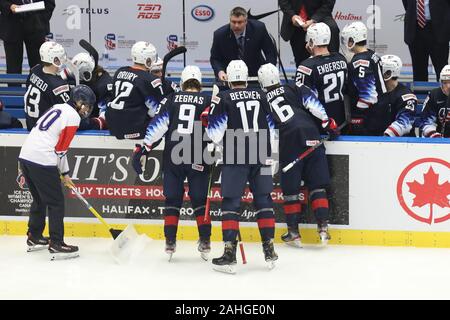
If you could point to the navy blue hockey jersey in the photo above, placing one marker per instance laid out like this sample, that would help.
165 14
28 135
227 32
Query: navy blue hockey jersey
137 94
366 82
178 119
394 113
327 76
436 114
238 120
44 90
294 109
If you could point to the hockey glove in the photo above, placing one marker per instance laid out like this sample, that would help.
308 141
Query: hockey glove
331 127
140 157
434 134
204 116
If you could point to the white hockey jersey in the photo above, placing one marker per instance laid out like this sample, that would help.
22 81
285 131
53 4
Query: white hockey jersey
49 140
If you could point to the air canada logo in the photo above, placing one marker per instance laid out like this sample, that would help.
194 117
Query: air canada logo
423 190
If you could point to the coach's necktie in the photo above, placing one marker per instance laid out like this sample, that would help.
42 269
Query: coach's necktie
421 21
241 47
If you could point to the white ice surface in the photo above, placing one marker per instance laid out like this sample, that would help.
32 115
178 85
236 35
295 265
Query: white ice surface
334 272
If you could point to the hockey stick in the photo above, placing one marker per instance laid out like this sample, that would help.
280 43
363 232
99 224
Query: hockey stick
170 55
114 232
279 58
215 92
310 150
90 49
241 248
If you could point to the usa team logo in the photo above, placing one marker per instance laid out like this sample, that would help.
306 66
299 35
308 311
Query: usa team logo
423 190
110 41
202 13
172 42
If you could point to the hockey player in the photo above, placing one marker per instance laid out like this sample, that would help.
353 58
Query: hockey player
137 94
179 114
45 87
43 159
168 86
99 80
394 113
324 72
435 118
293 108
364 71
242 110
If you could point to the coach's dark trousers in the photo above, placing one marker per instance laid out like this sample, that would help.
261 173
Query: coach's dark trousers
45 186
423 47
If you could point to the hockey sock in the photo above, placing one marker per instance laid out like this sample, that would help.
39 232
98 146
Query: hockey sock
266 223
292 209
171 217
319 204
204 227
230 225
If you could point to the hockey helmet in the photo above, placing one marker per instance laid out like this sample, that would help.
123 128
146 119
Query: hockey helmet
191 72
52 52
355 31
268 75
391 66
85 65
144 53
157 65
84 99
319 34
445 73
237 71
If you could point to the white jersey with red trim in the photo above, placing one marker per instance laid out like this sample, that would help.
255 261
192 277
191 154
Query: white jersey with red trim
49 140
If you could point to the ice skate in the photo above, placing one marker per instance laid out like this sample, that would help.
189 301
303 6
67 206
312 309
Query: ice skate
292 238
171 246
269 253
227 262
62 251
204 247
324 235
36 243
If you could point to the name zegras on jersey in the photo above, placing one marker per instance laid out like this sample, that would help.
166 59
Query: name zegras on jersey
178 118
136 100
44 90
239 121
326 75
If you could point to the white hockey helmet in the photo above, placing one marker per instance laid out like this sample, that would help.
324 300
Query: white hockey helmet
52 52
391 66
237 71
156 65
191 72
445 74
144 53
85 65
319 34
268 75
355 31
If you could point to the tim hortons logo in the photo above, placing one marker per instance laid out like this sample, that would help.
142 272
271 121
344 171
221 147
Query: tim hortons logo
339 15
423 190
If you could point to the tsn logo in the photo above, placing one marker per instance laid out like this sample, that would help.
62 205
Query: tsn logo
149 11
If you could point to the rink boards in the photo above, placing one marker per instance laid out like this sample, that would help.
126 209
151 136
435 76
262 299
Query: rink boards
384 191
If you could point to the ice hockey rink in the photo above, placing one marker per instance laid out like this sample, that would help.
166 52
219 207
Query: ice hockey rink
312 272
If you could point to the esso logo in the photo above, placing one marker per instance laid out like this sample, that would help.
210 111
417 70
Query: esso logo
202 13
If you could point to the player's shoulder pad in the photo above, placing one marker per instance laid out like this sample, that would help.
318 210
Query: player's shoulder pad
409 96
155 83
61 89
361 63
304 69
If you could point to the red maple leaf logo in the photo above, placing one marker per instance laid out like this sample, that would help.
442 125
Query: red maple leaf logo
430 192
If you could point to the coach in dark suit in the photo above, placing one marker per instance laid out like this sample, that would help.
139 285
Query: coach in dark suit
244 40
309 11
427 33
19 28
